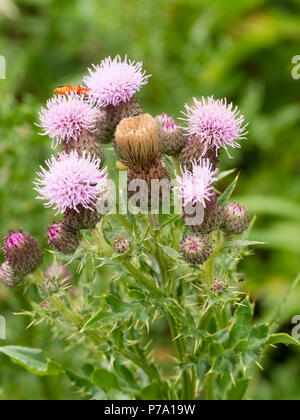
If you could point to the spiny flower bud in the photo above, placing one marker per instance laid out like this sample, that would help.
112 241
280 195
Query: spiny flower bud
235 219
195 249
82 219
86 143
57 276
63 238
194 150
122 244
107 123
171 136
138 139
23 252
218 287
213 214
7 276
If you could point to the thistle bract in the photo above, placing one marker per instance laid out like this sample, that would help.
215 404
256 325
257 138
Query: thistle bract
171 136
195 249
63 238
235 219
122 244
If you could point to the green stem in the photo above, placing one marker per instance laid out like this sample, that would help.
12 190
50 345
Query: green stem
176 163
209 387
179 343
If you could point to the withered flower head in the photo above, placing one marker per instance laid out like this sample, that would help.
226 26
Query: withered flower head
138 139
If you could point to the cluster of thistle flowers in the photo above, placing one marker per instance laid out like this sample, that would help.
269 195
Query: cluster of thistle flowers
75 178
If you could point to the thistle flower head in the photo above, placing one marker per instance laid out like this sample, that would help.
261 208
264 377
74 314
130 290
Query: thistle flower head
218 123
195 186
67 116
63 238
114 81
235 219
71 180
22 252
195 249
138 139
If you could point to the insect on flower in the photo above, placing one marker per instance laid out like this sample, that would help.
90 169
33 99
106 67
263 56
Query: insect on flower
66 90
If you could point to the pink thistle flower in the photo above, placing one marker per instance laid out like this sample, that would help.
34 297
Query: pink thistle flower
66 117
217 123
71 180
114 81
23 252
196 186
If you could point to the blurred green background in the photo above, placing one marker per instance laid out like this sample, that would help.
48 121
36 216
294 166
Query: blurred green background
239 49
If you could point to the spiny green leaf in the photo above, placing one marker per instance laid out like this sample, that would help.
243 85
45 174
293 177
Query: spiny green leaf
33 360
282 339
105 380
237 392
85 386
228 192
170 252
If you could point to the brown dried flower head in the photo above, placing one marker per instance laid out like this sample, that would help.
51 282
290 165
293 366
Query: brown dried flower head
138 139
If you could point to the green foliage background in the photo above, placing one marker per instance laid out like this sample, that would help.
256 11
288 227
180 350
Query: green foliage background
238 49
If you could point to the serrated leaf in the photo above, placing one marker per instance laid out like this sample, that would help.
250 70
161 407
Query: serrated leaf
243 243
170 252
105 380
85 386
282 339
33 360
228 192
242 322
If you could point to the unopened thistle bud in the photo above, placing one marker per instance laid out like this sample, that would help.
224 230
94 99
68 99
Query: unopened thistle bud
23 252
122 244
86 143
138 140
57 276
218 287
213 214
8 277
63 238
195 249
171 136
235 219
82 218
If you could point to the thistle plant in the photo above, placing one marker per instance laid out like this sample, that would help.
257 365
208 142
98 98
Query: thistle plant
138 267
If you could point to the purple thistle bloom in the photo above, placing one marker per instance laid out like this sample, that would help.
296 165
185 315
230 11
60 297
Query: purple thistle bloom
217 123
71 180
22 252
196 186
114 81
67 116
